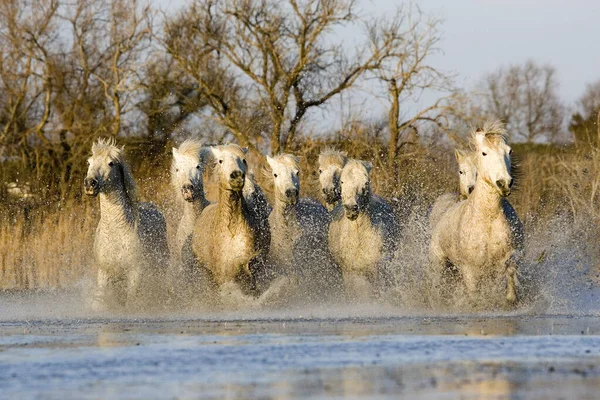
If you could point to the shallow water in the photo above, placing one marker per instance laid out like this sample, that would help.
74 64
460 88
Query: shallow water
50 347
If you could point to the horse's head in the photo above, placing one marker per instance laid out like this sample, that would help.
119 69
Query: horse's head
231 166
467 169
356 187
286 177
107 170
494 156
331 163
187 168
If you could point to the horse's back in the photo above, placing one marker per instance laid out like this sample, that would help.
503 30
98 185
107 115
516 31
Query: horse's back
153 233
515 224
313 217
256 199
383 217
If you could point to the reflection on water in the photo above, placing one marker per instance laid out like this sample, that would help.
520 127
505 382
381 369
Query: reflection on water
434 357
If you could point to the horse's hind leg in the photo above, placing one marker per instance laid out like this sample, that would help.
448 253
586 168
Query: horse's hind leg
134 277
511 278
99 298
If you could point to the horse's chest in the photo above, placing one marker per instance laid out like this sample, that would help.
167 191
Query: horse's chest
234 253
283 239
361 247
116 250
488 244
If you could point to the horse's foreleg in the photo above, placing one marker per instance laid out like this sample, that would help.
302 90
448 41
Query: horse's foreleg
99 299
134 277
441 287
511 280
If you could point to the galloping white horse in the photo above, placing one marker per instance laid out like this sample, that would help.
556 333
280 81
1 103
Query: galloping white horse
230 238
331 163
187 167
482 236
130 245
299 230
364 232
467 173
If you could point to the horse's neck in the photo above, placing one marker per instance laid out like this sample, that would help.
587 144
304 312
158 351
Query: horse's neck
485 200
193 209
285 214
231 207
117 210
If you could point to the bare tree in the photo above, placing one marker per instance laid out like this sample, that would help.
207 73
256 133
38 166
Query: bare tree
27 30
585 122
407 73
525 97
110 40
257 59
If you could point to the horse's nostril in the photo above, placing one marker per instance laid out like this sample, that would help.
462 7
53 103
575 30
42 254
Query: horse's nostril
236 174
90 182
188 187
291 193
471 189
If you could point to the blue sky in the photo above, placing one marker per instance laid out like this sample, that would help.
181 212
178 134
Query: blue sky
481 35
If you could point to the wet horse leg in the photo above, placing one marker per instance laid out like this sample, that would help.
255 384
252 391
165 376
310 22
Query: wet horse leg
511 280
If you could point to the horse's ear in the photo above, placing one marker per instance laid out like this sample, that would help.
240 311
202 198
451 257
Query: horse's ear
479 136
368 166
459 155
270 161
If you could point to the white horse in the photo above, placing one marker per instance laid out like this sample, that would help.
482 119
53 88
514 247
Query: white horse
331 163
230 239
187 167
364 232
130 245
467 173
299 230
482 236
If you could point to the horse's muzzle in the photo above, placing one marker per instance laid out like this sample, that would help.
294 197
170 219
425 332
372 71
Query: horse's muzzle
236 180
291 196
504 186
91 186
331 195
188 193
351 212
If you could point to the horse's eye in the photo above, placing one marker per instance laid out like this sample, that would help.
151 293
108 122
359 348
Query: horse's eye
275 175
176 169
297 173
197 167
460 172
220 161
320 171
510 152
342 182
485 154
110 164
